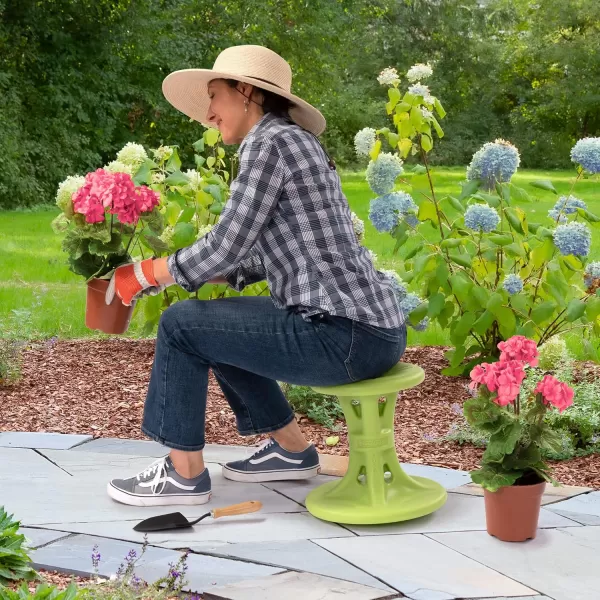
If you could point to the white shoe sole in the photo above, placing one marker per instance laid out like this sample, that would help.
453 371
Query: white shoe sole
289 475
133 500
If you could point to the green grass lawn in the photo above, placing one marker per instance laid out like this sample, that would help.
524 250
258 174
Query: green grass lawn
40 297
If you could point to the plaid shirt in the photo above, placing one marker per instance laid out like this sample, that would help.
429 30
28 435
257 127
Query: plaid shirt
287 221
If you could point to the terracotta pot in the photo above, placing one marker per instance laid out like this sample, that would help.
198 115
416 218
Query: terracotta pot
512 512
111 318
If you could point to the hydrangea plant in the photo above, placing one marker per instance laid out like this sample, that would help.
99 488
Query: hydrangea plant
485 268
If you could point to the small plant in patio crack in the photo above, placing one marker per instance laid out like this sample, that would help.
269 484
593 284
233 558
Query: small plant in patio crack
477 263
322 409
126 585
14 561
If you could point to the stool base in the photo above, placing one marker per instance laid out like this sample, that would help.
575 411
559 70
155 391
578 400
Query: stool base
332 502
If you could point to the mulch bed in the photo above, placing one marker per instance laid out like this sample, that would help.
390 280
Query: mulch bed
98 387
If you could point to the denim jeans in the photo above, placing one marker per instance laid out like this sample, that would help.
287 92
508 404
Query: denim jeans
251 345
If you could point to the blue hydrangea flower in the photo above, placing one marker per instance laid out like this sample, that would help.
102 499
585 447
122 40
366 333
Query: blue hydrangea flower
408 304
567 205
586 152
513 284
494 162
386 210
592 276
398 285
557 216
573 238
481 217
382 173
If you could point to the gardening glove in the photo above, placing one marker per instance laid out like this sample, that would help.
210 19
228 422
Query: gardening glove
132 281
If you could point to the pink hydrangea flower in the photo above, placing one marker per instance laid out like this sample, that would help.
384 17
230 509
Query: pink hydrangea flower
555 392
518 347
116 193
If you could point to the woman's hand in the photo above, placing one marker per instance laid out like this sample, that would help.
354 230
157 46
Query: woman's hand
132 281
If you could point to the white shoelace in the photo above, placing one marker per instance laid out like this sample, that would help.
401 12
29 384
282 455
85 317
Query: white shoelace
264 446
160 466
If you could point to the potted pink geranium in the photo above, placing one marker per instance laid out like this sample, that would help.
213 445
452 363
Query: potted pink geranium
100 218
513 473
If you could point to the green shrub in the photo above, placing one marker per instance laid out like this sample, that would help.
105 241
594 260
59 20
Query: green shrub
10 361
322 409
42 592
14 561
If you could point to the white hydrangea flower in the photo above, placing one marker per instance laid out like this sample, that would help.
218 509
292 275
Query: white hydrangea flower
359 226
158 177
163 153
388 76
427 114
372 256
65 192
418 89
117 166
132 154
194 178
167 235
418 72
364 141
203 230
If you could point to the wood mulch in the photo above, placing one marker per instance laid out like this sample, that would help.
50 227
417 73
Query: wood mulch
98 387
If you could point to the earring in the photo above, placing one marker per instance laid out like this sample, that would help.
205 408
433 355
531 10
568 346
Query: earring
246 106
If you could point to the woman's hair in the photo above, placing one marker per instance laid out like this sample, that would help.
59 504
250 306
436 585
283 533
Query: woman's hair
272 103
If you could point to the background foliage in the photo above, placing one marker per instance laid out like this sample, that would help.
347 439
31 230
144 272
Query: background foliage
80 78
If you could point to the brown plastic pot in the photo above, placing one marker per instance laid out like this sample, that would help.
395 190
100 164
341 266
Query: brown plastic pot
513 511
111 318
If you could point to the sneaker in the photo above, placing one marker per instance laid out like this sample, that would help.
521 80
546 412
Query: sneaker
273 463
160 485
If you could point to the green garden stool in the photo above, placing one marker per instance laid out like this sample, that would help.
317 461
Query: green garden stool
375 489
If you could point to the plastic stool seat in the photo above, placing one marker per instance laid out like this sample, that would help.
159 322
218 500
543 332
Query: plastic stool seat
375 489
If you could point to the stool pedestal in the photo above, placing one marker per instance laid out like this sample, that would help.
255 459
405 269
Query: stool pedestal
375 489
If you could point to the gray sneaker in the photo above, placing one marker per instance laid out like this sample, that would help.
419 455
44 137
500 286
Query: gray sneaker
160 485
272 463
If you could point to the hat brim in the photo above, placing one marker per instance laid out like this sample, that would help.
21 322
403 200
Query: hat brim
187 91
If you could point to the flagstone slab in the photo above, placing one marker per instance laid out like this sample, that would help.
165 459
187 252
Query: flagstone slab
584 508
55 441
41 537
306 586
422 569
300 555
216 453
460 513
551 494
257 527
22 465
560 563
73 555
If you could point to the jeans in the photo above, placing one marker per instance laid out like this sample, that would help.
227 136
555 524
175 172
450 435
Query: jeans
250 345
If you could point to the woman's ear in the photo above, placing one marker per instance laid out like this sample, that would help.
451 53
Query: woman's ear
247 89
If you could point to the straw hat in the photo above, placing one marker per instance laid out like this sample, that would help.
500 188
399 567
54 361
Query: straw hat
187 90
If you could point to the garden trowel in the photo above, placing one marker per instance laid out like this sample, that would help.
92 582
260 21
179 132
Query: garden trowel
178 521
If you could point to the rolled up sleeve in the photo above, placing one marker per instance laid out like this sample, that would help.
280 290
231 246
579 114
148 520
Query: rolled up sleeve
248 271
253 198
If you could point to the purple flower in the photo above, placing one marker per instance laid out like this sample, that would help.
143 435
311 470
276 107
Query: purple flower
95 557
457 409
428 437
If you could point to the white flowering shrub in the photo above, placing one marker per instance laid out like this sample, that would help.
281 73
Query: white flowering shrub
190 204
490 271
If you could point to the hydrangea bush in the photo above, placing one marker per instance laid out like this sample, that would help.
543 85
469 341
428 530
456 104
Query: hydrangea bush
143 204
485 268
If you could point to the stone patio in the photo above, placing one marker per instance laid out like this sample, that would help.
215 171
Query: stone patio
55 484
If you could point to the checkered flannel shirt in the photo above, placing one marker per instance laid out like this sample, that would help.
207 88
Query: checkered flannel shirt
287 221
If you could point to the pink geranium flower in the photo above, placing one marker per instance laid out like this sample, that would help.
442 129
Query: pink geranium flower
504 378
555 392
518 347
115 193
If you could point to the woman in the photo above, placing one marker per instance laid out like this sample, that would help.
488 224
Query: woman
331 318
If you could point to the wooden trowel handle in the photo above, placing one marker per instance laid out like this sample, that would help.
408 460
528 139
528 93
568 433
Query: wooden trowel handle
237 509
